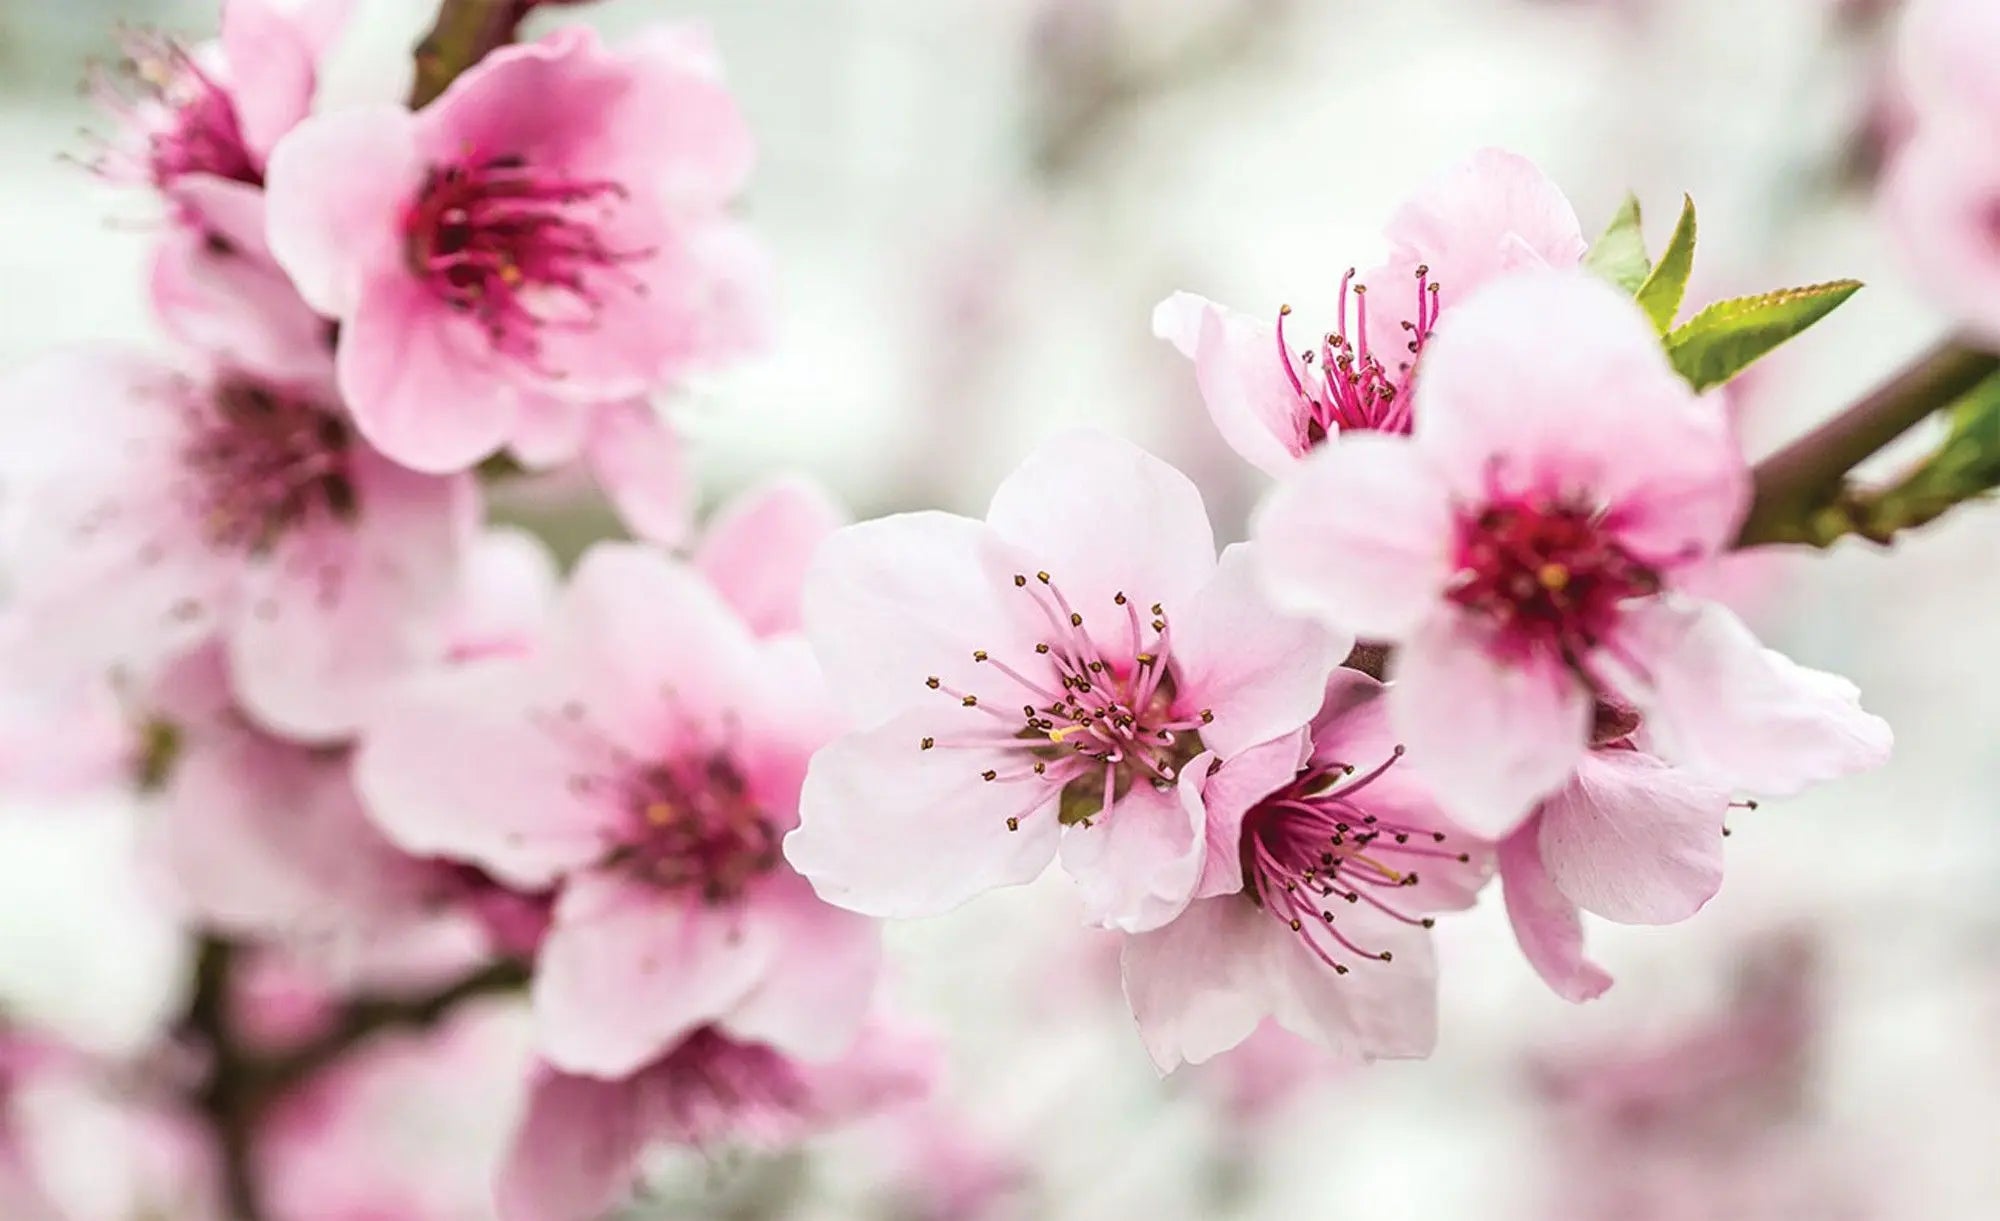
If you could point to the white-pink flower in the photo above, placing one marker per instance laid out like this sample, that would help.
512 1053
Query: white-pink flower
645 758
1324 854
579 1150
546 235
151 508
1493 214
1524 550
1063 673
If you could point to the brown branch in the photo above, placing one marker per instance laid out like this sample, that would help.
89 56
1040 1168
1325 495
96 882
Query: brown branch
464 33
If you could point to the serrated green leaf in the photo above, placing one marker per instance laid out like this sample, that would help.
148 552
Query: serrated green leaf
1729 336
1660 296
1619 254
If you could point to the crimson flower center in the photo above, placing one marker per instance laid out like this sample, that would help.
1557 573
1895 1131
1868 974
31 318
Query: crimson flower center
1551 577
262 461
190 122
1095 717
518 248
694 823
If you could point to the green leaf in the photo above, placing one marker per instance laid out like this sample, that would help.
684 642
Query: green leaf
1965 465
1729 336
1620 254
1660 296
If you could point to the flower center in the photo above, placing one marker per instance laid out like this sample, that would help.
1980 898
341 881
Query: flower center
187 119
1309 847
1346 386
516 247
265 461
694 823
1550 576
1095 718
712 1087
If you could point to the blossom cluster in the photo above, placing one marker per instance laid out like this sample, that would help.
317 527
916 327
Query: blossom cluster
390 747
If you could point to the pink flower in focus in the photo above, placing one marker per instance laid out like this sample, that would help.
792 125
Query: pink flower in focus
151 510
1524 549
549 233
1629 838
1300 827
578 1152
1489 216
1063 673
646 759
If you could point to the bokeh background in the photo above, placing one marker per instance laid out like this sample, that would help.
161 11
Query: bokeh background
974 205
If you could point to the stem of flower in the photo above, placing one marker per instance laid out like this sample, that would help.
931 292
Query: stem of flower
1798 484
464 33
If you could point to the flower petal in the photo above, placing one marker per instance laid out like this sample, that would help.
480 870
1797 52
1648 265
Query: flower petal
1136 864
758 547
420 387
576 1151
1237 365
641 463
1633 839
335 191
1192 985
1230 791
820 982
1545 923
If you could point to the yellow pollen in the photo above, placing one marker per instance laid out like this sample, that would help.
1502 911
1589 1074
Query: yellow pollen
1386 872
661 813
1057 735
1553 576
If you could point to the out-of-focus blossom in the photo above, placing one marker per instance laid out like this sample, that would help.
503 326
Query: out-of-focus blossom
1525 548
546 236
579 1150
1300 827
757 550
152 508
1489 216
1063 673
411 1126
933 1163
1629 838
647 758
1255 1083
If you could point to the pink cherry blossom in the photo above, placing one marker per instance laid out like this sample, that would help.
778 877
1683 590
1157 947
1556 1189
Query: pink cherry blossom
1300 827
1629 838
1525 549
551 228
757 549
646 759
1058 677
152 509
578 1151
1489 216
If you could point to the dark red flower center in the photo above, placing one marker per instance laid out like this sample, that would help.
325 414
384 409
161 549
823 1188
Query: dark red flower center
695 823
1550 576
188 120
262 461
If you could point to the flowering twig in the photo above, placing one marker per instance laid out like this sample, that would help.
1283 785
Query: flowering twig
1801 489
465 31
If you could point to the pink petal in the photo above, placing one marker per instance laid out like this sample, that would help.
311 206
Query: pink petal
1545 923
549 431
889 829
1193 985
1104 517
820 982
1136 865
641 463
576 1152
465 764
271 72
629 969
336 188
1495 734
510 583
1260 672
1237 365
1937 201
1493 214
1361 537
1946 61
1744 716
1633 839
891 602
1228 793
422 388
758 546
1378 1010
234 304
680 104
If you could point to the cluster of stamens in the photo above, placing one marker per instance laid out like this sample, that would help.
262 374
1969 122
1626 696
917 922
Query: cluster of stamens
260 461
687 819
1100 720
516 247
1344 385
1308 848
187 119
1549 575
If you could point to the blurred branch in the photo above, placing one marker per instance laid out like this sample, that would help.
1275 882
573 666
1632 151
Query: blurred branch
1801 492
464 33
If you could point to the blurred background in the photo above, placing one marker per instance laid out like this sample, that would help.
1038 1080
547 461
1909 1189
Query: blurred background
974 205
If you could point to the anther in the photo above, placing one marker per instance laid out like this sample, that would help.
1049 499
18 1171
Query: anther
979 654
929 742
970 701
932 682
1020 581
1013 824
989 775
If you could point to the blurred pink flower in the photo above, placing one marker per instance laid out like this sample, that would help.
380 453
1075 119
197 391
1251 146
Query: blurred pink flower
578 1151
646 758
1255 1082
758 547
1293 827
1629 838
1525 549
1491 215
1064 672
152 509
548 234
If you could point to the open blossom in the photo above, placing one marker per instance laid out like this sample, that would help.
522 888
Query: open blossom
1525 549
545 236
152 508
645 759
1063 673
1274 402
1326 856
1629 838
578 1151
